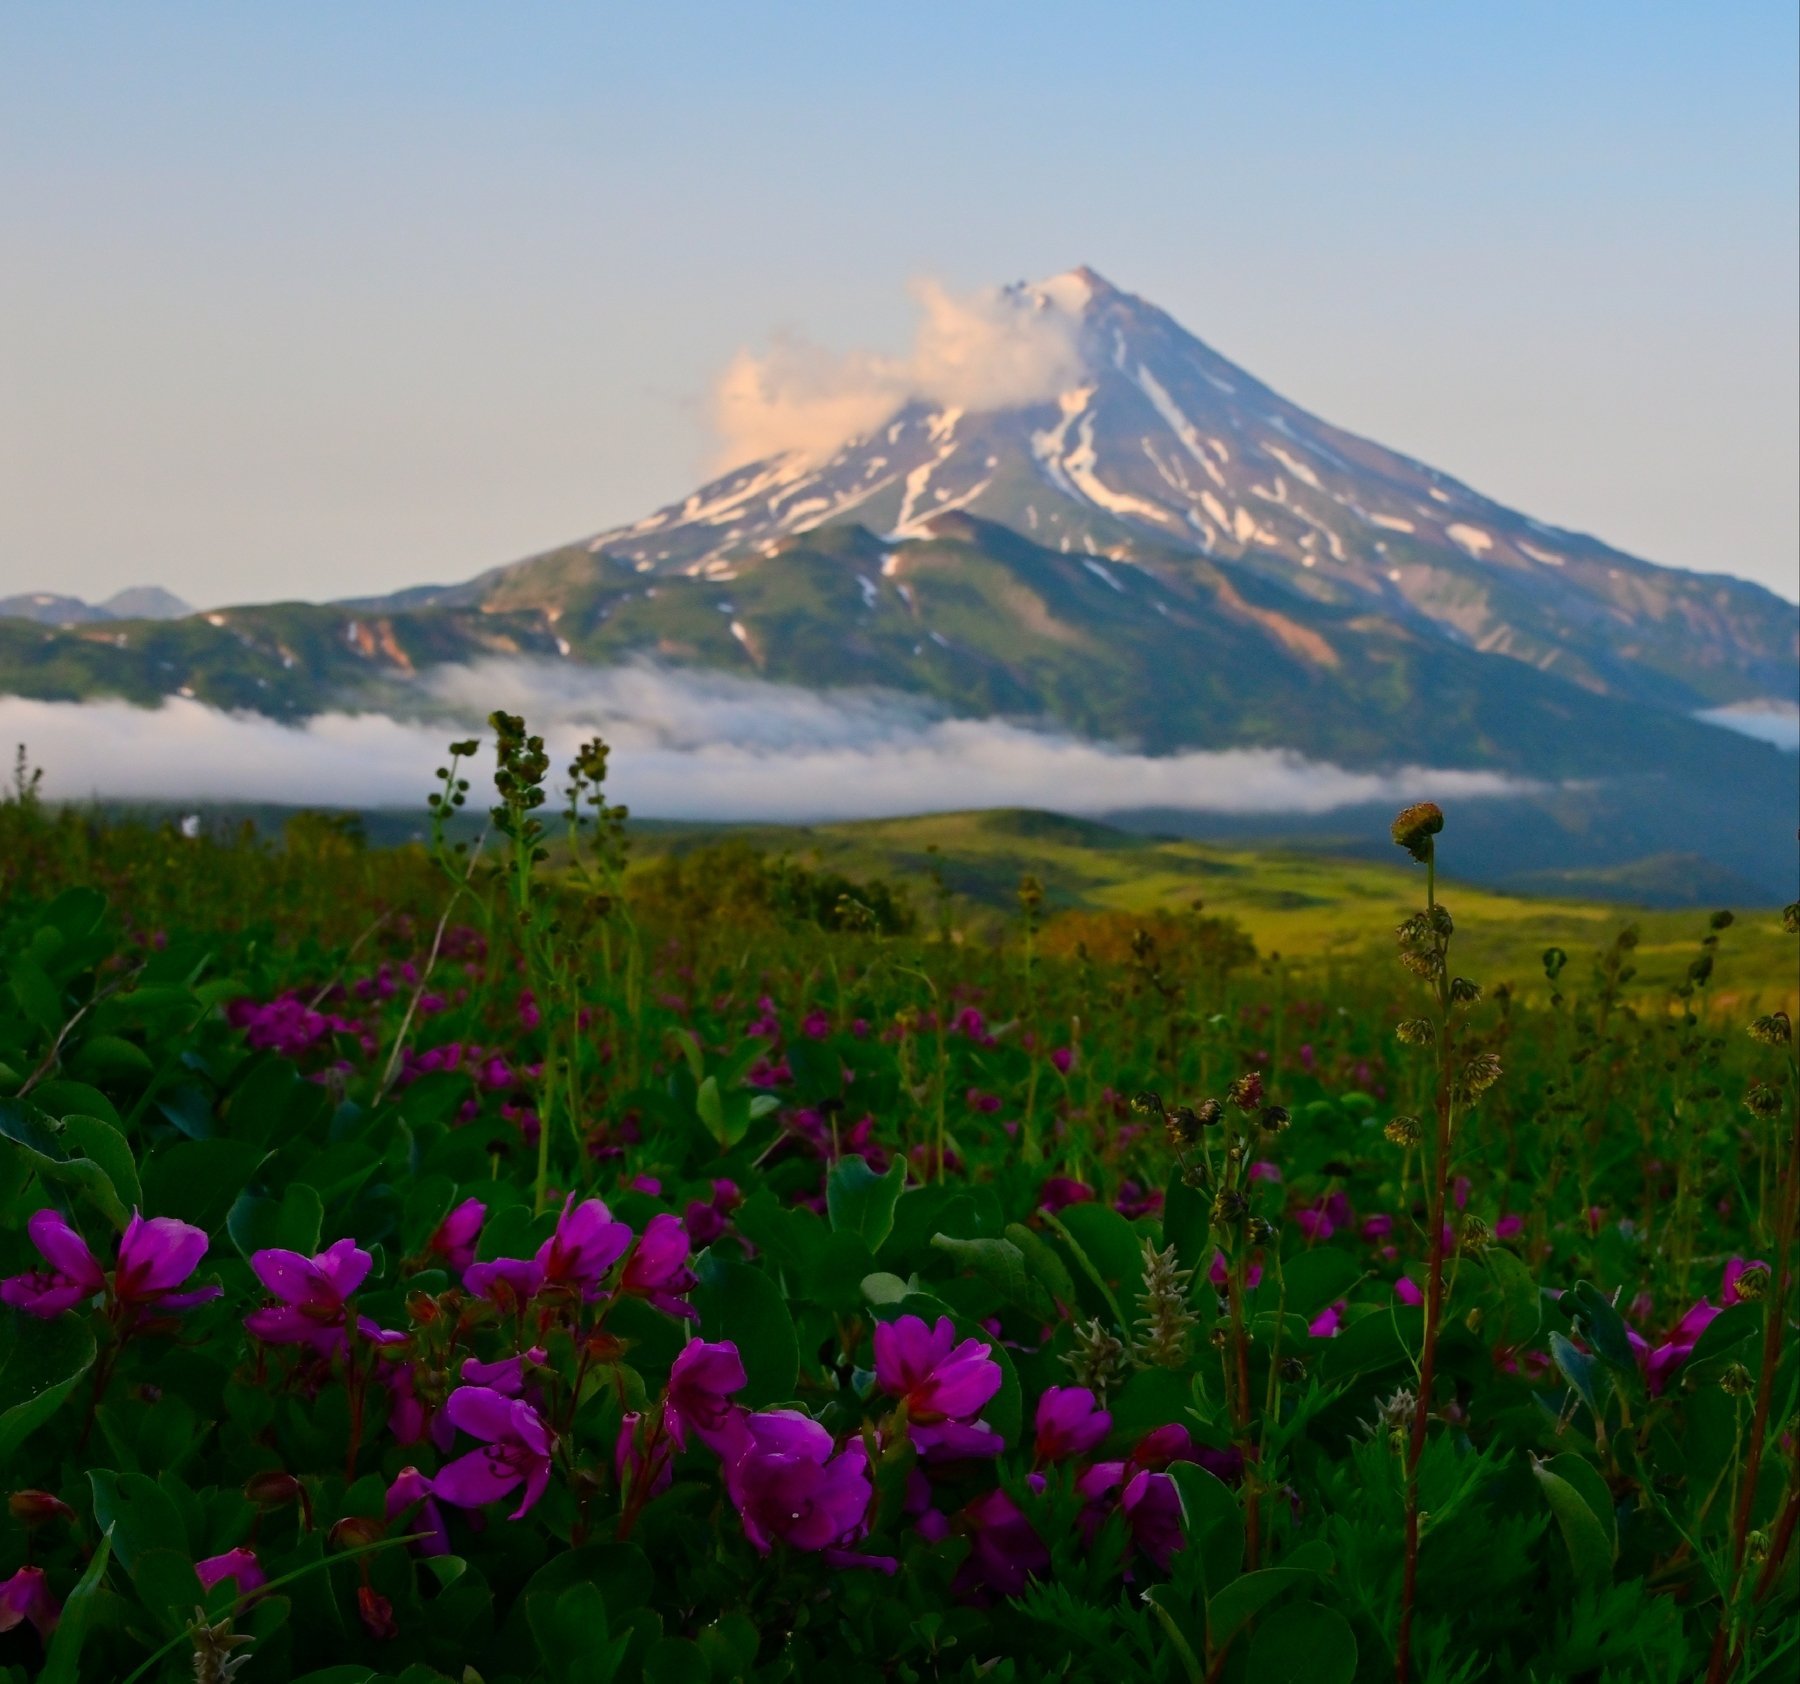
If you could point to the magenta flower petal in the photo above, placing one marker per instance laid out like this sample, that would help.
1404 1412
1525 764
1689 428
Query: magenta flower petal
155 1257
701 1382
26 1596
65 1250
239 1565
477 1478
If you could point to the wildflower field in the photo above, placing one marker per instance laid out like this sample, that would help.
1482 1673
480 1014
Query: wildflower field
494 1260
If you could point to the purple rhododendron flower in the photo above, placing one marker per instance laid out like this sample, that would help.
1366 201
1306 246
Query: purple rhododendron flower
937 1378
1004 1549
454 1238
789 1485
26 1596
586 1244
698 1399
1069 1423
507 1376
657 1268
1152 1510
517 1446
506 1281
313 1294
156 1257
412 1490
239 1565
73 1276
955 1441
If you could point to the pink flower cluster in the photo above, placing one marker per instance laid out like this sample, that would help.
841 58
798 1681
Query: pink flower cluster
156 1257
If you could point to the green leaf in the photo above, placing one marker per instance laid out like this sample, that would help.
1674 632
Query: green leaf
1113 1247
1212 1521
1311 1280
290 1223
1601 1325
676 1660
1002 1265
1187 1223
109 1058
883 1288
742 1304
1234 1607
200 1180
62 1665
39 1366
861 1202
710 1104
105 1144
1590 1552
1726 1331
1520 1300
139 1514
1309 1644
1578 1368
1043 1264
1587 1480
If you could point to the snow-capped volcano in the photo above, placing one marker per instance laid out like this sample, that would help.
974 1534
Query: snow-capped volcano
1151 446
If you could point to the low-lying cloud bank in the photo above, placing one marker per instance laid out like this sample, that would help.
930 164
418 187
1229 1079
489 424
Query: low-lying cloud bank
685 745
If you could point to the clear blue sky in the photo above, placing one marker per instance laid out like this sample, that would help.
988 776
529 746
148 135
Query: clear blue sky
318 299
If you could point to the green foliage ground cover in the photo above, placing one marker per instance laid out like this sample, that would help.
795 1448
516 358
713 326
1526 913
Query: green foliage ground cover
931 1250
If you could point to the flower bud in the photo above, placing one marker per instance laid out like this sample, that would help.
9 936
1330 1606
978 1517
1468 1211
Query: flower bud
1229 1208
1415 826
421 1308
1752 1283
1464 992
34 1508
1737 1381
272 1489
1762 1100
1474 1236
1208 1113
355 1531
1775 1030
1414 1032
1404 1131
1246 1092
1275 1118
376 1613
1292 1371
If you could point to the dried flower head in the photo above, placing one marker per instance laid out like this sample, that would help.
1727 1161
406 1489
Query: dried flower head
1209 1113
1790 917
1292 1371
1246 1092
1723 920
1229 1208
1464 992
1775 1030
1762 1100
1182 1126
1415 826
1404 1131
1752 1282
1275 1118
1415 1032
1474 1236
1480 1074
1554 960
1737 1381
